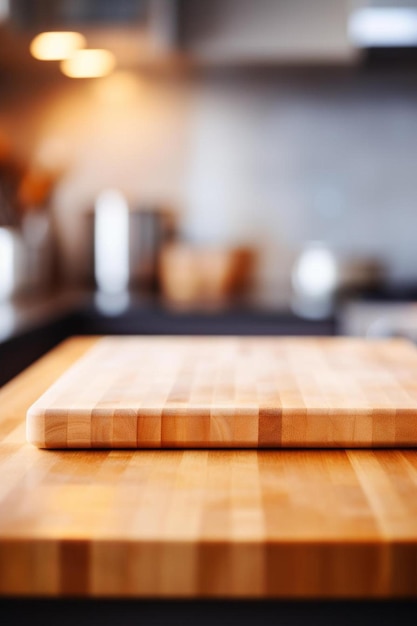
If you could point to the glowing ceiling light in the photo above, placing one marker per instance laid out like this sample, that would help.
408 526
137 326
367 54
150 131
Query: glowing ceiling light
88 64
383 26
55 46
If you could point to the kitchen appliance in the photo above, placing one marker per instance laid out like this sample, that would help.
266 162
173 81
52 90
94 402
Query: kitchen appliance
378 319
314 281
150 228
163 392
12 262
127 241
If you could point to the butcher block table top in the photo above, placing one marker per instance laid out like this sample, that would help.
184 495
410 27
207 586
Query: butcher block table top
199 523
234 392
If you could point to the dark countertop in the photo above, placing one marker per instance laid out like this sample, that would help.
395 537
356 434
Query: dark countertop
30 327
148 315
26 313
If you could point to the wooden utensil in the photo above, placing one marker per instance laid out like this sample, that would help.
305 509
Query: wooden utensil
170 392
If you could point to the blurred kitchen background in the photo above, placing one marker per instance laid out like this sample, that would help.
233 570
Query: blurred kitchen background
206 167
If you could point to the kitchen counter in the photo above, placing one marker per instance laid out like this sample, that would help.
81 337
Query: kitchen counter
32 326
199 524
27 313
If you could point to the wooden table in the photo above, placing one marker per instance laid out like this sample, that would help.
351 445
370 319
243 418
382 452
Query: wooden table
199 524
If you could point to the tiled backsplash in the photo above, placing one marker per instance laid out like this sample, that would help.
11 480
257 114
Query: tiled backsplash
322 156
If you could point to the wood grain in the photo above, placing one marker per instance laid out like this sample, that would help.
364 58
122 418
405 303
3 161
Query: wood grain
167 392
199 523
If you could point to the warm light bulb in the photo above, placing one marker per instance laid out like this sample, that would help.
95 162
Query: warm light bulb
88 64
55 46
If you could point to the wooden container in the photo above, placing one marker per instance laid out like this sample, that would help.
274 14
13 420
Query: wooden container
191 276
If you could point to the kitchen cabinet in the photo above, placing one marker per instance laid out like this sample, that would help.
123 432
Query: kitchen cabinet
236 31
204 32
